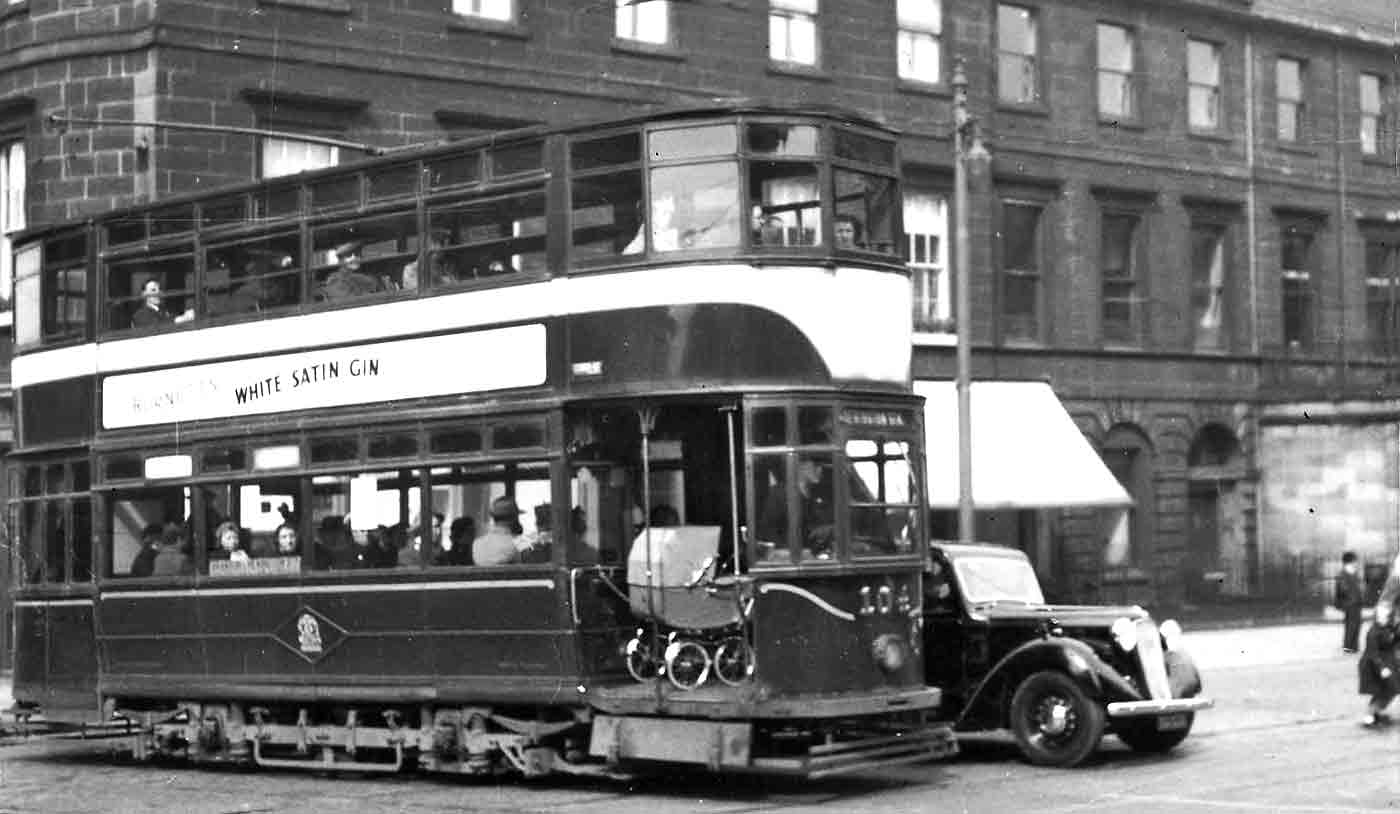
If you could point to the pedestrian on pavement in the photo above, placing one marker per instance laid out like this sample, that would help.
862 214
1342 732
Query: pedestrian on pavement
1348 599
1379 668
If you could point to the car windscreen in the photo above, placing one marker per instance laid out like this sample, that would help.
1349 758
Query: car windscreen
997 579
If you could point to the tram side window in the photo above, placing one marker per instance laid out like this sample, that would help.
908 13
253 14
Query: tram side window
52 524
149 533
252 527
866 202
365 520
495 514
694 206
482 240
786 204
607 216
148 294
253 275
884 497
375 256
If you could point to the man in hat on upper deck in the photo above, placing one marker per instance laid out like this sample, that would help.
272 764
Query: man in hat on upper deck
348 281
505 540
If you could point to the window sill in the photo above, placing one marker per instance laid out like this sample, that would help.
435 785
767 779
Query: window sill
1128 125
1294 148
1376 160
328 6
932 339
1210 135
495 28
1038 109
14 10
636 48
918 86
798 70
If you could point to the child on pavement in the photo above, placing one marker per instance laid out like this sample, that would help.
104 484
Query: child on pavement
1379 669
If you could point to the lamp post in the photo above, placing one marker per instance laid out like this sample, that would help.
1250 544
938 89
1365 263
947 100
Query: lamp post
967 150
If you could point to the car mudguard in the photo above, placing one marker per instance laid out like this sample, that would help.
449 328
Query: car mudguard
1070 656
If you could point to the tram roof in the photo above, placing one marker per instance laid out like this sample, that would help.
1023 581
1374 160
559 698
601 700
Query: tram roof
717 108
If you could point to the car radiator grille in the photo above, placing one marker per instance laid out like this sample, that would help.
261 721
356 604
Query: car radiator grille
1154 666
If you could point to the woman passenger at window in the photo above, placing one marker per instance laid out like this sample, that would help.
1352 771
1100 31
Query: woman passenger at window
458 550
288 544
173 559
230 542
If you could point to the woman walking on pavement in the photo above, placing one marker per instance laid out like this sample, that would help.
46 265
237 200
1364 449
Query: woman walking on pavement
1378 668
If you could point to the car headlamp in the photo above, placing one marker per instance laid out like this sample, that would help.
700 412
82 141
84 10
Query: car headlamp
1171 634
1124 633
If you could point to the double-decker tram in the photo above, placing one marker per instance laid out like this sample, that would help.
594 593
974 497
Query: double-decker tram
564 450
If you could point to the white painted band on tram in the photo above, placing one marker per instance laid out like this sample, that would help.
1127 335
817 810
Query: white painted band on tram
809 596
51 603
331 589
821 302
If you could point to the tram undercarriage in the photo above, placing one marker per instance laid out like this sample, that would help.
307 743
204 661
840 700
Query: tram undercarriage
481 740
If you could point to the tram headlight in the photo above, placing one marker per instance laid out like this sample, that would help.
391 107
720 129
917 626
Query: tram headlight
891 652
1124 634
1171 634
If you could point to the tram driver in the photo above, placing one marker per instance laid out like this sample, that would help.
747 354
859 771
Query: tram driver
816 523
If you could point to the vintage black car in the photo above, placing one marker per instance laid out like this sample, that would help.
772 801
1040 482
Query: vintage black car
1057 676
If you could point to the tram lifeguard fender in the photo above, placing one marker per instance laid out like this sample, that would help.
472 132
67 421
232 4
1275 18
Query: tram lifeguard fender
678 554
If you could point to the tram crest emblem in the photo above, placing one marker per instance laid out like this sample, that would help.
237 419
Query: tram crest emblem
310 634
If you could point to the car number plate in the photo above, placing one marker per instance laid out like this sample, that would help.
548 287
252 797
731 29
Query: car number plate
1168 723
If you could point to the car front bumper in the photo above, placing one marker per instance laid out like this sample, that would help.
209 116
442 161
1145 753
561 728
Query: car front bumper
1157 706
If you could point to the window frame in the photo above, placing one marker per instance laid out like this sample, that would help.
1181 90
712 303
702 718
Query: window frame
1297 103
1216 89
1037 78
1299 285
1372 121
1383 337
1221 221
909 33
1136 278
931 315
476 10
782 14
1036 276
630 34
1130 77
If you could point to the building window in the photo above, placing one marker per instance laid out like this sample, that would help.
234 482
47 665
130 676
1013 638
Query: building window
1288 77
926 235
12 218
792 31
1117 58
644 21
1128 455
1297 283
1018 69
1119 305
1371 116
1203 78
920 46
282 156
1208 286
1383 294
1020 270
502 10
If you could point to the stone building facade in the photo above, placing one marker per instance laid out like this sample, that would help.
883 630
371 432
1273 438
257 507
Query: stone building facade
1189 225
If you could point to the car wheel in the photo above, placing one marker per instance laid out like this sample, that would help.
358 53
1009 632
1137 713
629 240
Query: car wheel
1142 734
1055 722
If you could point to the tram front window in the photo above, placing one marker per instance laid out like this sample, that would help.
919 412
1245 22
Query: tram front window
884 502
695 207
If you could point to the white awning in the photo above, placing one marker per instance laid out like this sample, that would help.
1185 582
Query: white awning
1026 450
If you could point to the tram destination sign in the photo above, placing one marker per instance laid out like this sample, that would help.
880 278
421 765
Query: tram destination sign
470 362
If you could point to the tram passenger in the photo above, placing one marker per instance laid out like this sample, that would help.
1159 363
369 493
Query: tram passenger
347 281
504 542
770 231
143 565
458 550
151 313
173 559
287 543
335 546
230 543
847 232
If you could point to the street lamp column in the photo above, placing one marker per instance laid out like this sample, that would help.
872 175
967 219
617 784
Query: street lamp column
967 149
